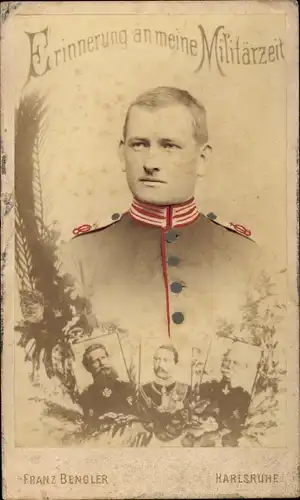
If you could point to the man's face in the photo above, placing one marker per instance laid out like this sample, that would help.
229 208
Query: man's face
164 364
97 359
229 367
162 157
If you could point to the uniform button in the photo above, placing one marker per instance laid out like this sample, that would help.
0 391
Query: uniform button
115 216
171 236
211 216
177 318
176 287
173 261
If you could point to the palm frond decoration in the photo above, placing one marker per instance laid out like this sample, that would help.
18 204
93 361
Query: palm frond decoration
23 258
37 184
45 295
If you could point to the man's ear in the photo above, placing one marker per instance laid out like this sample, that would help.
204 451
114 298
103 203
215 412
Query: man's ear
204 159
121 154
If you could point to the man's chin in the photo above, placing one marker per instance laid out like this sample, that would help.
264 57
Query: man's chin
156 196
162 377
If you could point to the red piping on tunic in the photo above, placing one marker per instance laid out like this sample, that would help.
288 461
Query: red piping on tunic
170 216
164 265
165 276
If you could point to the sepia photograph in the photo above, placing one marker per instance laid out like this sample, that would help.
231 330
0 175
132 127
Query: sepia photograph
158 264
149 254
164 392
228 386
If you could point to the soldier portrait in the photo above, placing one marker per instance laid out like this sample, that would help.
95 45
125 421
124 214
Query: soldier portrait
107 393
149 258
225 391
145 224
164 388
148 267
164 393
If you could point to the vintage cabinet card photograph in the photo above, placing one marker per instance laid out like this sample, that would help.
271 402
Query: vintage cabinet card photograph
149 299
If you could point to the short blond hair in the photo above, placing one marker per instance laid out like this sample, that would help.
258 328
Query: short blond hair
160 97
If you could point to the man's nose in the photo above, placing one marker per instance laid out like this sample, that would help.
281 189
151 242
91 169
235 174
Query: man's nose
152 160
149 170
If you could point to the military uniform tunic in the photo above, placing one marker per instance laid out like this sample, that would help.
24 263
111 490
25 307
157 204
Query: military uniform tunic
169 399
165 408
166 272
228 404
106 395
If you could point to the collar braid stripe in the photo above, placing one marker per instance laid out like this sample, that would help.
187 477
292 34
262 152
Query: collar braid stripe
164 216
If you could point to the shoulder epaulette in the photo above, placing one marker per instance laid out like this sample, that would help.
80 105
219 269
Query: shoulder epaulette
231 226
96 226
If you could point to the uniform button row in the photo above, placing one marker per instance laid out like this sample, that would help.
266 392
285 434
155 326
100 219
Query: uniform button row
176 287
177 317
171 236
173 261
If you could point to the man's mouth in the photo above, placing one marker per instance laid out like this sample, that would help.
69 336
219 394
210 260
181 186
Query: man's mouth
161 372
107 370
146 179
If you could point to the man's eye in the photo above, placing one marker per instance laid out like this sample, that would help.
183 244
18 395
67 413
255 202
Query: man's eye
138 145
170 145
